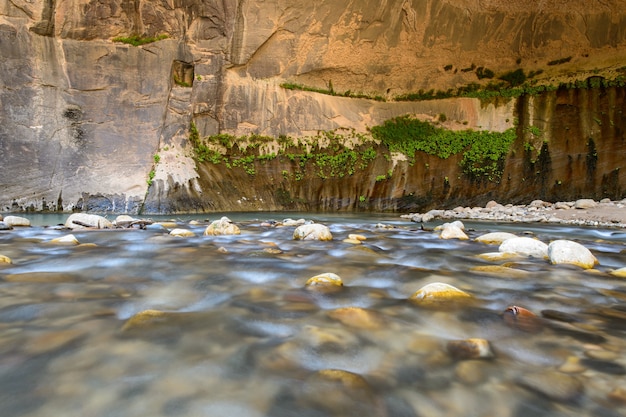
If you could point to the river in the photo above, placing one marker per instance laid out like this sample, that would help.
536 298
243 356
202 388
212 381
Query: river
235 332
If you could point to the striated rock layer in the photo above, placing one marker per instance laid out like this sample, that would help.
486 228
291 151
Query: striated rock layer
83 118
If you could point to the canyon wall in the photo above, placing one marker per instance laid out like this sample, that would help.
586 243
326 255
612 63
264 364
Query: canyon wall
89 123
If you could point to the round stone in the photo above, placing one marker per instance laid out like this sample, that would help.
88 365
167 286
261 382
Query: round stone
16 221
358 318
87 221
522 319
525 246
65 240
568 252
312 232
182 233
553 385
438 292
327 279
495 238
223 226
470 349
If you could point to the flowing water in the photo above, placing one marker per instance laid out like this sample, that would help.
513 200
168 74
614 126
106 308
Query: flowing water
234 331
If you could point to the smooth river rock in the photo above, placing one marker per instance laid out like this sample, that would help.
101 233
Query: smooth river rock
495 238
16 221
620 273
556 386
312 232
438 292
327 279
568 252
182 233
470 349
5 259
87 221
452 231
525 246
223 226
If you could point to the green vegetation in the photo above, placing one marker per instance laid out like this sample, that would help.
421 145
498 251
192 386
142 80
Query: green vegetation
483 151
156 158
151 175
136 40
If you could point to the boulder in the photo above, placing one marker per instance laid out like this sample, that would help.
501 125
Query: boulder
182 233
452 231
495 238
327 279
568 252
525 246
223 226
312 232
438 292
87 221
585 203
469 349
16 221
65 240
620 273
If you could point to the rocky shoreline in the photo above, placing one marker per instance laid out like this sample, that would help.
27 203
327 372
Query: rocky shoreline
583 212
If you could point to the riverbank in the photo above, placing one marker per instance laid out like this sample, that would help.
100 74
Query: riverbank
583 212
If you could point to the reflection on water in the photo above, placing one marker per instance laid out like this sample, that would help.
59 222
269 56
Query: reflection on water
138 323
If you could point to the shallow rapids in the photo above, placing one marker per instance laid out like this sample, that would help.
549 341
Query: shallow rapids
234 332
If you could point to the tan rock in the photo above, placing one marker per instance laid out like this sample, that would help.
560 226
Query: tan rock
500 271
355 236
471 372
182 233
618 395
525 246
65 240
572 365
620 273
16 221
451 231
312 232
470 349
497 256
224 226
495 238
5 259
359 318
569 252
327 279
438 292
79 221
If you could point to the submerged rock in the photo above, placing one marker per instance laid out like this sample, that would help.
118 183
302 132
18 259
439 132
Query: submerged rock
5 259
87 221
522 319
223 226
358 318
4 226
525 246
495 238
469 349
65 240
327 279
312 232
438 292
620 273
16 221
553 385
182 233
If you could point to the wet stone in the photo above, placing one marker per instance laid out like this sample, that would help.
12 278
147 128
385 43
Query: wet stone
525 246
51 341
438 293
618 395
495 238
359 318
606 367
223 226
65 240
182 233
312 232
560 316
327 279
5 259
16 221
522 319
471 372
553 385
601 354
469 349
572 365
572 253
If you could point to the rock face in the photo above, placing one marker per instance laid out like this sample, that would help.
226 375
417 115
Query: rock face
87 123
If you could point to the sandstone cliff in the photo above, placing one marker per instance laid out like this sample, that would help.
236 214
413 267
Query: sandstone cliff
90 123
